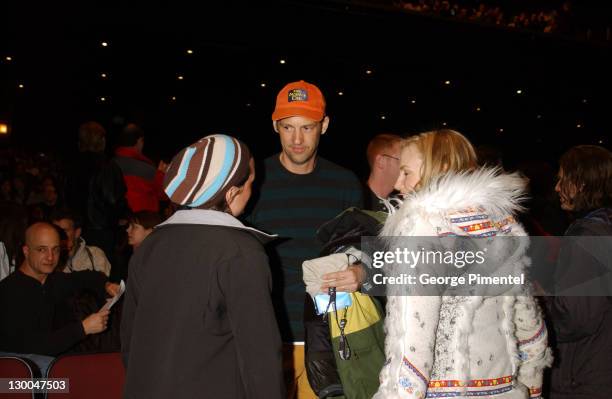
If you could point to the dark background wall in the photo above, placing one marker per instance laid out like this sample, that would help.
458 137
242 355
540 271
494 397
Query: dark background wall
57 55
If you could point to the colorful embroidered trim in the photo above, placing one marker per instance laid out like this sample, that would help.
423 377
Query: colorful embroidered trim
464 219
414 370
535 393
535 337
477 226
471 383
487 392
487 234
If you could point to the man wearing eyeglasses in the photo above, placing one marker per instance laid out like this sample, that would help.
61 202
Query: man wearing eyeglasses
383 157
299 192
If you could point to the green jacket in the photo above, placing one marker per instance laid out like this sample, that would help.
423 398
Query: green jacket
363 326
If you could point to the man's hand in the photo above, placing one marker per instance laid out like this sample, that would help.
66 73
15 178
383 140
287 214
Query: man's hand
347 280
96 322
112 289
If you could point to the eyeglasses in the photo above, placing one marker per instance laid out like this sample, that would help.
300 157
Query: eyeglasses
390 156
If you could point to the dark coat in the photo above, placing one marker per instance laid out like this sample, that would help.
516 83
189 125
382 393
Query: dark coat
198 319
95 189
582 324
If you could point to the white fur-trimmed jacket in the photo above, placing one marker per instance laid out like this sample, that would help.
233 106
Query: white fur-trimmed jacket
492 346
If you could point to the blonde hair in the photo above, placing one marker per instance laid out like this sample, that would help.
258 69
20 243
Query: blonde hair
442 151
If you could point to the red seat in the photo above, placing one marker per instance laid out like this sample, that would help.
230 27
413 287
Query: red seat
14 367
91 376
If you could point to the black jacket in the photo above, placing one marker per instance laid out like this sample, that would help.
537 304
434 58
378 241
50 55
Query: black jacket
107 202
582 324
95 188
37 318
198 319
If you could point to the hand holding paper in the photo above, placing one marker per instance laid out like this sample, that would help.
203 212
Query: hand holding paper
117 294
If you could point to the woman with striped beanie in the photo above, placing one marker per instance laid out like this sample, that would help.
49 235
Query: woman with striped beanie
198 297
209 173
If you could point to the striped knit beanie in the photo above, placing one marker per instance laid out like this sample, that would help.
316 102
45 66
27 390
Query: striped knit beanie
200 174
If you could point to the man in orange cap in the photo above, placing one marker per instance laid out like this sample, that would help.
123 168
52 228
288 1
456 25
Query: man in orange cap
300 191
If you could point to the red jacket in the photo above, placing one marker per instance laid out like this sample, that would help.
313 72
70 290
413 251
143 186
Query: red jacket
143 180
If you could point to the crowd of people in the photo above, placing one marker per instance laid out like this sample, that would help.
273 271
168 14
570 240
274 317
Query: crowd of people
549 20
235 295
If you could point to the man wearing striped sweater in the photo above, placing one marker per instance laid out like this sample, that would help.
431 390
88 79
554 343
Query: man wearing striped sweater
299 192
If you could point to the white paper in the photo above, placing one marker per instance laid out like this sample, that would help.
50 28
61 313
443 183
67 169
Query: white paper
110 302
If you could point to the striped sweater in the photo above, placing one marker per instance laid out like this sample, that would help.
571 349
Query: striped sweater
294 206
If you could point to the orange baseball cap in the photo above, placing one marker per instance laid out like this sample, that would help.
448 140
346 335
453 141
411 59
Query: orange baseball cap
299 99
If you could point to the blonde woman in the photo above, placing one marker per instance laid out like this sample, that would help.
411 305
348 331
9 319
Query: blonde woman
484 345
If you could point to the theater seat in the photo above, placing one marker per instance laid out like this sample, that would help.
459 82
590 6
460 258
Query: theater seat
91 376
14 367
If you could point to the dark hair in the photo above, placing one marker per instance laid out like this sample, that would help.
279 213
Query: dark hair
146 219
221 204
588 168
66 213
129 135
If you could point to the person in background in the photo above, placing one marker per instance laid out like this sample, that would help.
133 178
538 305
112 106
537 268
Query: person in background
96 190
142 179
582 319
35 318
383 158
50 203
13 224
140 225
80 255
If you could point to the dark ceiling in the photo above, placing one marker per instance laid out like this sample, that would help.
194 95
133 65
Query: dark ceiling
530 94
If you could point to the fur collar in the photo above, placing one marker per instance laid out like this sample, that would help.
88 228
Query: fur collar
496 193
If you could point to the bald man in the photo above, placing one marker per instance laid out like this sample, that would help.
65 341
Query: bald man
35 317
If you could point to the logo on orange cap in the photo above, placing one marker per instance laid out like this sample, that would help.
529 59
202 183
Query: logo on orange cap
299 99
297 95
